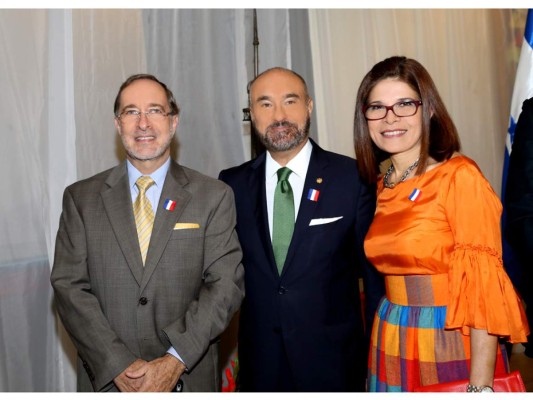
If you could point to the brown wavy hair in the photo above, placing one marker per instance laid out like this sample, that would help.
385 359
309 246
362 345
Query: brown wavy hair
439 134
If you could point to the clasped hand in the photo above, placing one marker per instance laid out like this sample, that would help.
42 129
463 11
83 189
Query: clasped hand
159 375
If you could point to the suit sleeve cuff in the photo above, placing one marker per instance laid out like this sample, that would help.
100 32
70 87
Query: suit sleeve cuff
172 351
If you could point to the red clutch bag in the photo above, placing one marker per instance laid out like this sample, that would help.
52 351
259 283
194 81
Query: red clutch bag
502 383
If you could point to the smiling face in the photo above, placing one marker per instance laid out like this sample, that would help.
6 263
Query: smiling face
146 139
280 109
392 134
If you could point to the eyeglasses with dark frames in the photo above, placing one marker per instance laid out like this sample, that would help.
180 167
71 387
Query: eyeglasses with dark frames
404 108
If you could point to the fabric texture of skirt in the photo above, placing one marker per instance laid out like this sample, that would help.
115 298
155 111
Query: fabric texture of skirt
409 345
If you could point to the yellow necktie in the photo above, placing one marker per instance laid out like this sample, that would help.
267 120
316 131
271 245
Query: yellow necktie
144 215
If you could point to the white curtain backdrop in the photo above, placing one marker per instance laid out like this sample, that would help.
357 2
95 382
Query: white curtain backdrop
469 54
25 336
60 72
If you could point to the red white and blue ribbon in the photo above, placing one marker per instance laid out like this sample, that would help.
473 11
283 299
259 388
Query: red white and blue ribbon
313 194
169 205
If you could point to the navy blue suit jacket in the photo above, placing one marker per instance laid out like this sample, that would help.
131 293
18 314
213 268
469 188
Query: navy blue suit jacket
519 200
310 316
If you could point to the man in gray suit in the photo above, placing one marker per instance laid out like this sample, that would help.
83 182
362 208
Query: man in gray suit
147 317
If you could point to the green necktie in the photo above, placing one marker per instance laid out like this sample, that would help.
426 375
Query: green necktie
283 225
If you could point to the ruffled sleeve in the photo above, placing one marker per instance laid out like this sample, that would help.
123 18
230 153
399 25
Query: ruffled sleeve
481 294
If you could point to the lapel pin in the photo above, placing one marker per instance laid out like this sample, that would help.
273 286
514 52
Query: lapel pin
169 205
415 195
318 180
313 194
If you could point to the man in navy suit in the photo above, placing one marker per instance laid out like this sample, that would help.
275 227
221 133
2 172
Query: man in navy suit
519 205
301 328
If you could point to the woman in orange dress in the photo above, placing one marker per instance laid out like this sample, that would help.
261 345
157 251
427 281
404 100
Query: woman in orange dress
436 238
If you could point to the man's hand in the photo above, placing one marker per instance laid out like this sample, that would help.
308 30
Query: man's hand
127 384
159 375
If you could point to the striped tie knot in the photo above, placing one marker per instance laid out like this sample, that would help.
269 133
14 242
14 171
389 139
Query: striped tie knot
143 183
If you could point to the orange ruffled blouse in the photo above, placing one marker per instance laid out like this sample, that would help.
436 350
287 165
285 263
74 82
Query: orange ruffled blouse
452 227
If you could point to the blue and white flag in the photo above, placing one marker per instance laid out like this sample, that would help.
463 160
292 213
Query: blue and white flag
523 85
523 90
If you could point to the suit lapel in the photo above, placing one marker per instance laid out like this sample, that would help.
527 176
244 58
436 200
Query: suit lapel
164 219
314 179
119 209
257 191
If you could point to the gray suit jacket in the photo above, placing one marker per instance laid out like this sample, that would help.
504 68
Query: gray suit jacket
116 310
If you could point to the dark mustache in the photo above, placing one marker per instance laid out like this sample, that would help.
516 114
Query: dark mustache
280 124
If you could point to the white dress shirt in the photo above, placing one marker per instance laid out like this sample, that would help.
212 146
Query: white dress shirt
298 165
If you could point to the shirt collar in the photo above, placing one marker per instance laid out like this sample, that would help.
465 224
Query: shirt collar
158 175
298 165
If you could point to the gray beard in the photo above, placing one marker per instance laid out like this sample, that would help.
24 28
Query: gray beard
289 139
135 156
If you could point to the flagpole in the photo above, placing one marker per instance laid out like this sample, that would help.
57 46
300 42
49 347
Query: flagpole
256 146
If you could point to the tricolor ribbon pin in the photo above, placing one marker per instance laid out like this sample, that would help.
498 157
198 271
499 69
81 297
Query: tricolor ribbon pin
313 194
415 195
169 205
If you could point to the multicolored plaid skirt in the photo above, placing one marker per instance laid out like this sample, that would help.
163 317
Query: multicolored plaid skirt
409 346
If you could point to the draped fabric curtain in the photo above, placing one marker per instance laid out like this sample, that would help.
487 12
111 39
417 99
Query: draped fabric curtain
60 72
59 76
470 54
25 337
